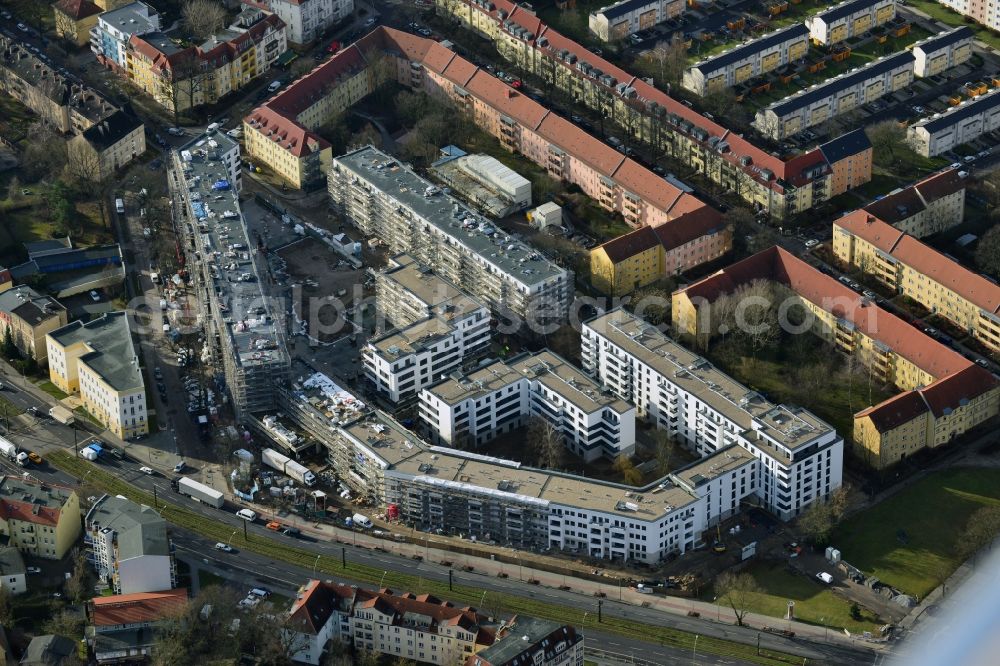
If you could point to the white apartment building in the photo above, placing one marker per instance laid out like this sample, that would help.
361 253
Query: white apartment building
12 571
130 547
466 411
967 121
627 17
388 200
983 12
98 361
799 457
114 28
438 329
849 19
748 60
841 94
939 53
305 20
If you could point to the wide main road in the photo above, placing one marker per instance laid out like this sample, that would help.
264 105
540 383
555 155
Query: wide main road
43 435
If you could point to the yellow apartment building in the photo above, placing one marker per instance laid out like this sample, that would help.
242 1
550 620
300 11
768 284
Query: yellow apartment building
97 360
39 519
28 317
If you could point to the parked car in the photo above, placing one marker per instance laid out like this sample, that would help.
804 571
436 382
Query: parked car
35 458
148 471
33 570
811 242
179 467
94 296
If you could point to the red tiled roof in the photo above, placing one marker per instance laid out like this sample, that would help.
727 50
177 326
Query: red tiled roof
77 9
313 607
136 608
460 71
308 89
589 150
294 137
953 392
630 244
670 235
640 181
777 264
438 57
903 203
18 502
506 100
897 410
924 259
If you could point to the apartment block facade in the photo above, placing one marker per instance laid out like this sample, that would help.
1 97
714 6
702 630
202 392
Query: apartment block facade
250 345
927 207
780 186
107 146
981 11
183 77
955 394
129 547
799 456
403 625
110 37
941 52
436 329
27 317
525 640
849 19
466 411
97 361
837 96
74 19
389 201
901 262
39 519
621 19
967 121
306 20
746 61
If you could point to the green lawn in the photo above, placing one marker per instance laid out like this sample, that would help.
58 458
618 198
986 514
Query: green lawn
51 389
207 578
9 409
879 184
945 15
814 602
87 415
933 513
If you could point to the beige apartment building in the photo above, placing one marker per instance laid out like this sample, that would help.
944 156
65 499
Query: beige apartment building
849 19
939 283
97 360
745 61
939 53
108 145
39 519
28 317
927 207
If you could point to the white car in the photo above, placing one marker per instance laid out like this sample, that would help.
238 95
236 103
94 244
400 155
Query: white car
175 131
247 514
179 467
148 471
94 296
812 242
33 570
956 165
224 547
969 158
22 27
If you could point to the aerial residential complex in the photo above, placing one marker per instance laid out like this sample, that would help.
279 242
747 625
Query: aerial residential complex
416 627
816 105
927 207
179 77
800 456
97 361
967 121
849 19
780 185
621 19
39 519
907 266
389 201
980 11
130 547
466 411
436 329
745 61
941 52
306 20
204 175
943 394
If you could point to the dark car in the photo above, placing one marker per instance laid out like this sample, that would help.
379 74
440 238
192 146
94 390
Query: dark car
291 531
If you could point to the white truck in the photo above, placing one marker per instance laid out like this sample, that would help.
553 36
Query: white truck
287 466
361 520
8 448
62 415
200 492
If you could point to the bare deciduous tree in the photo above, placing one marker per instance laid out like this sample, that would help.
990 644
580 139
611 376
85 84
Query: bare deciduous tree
666 61
630 474
666 452
886 137
737 590
546 443
203 18
981 529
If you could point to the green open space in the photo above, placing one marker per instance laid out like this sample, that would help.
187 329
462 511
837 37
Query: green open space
944 15
909 540
815 603
51 389
881 183
310 560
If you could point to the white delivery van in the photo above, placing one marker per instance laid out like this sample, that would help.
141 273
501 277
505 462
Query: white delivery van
361 520
247 514
274 86
119 205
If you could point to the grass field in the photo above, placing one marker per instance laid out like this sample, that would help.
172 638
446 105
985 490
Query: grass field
932 513
814 603
508 603
51 389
